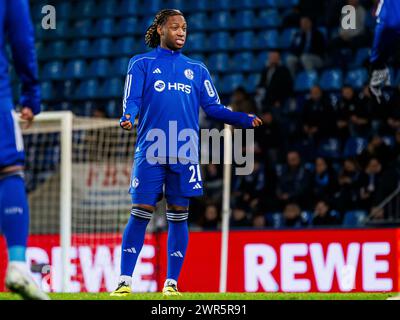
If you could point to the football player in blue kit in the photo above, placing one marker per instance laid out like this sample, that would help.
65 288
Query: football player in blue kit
165 89
17 29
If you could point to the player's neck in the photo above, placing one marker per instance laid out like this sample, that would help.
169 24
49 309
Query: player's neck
165 48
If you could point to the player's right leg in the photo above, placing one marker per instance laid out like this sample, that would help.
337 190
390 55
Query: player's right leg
146 187
14 209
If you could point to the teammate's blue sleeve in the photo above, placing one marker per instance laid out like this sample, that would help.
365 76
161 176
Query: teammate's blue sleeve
20 35
133 89
212 106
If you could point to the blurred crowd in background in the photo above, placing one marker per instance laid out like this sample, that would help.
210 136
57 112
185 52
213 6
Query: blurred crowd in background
326 157
327 153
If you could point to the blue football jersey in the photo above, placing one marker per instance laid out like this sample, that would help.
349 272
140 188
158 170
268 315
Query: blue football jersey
17 30
388 13
165 89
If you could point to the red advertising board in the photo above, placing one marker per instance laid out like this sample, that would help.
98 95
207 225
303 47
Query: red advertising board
274 261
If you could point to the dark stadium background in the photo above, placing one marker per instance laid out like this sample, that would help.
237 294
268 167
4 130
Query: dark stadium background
343 147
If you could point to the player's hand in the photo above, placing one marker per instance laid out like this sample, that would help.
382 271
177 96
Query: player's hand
27 115
256 121
125 122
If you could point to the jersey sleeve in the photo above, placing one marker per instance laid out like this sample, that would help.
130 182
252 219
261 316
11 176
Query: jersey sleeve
133 88
210 102
20 35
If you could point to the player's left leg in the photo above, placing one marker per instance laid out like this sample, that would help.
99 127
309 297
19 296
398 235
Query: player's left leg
146 188
14 209
182 182
14 219
178 238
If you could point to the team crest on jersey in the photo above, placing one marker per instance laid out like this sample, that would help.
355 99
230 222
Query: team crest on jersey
189 74
135 183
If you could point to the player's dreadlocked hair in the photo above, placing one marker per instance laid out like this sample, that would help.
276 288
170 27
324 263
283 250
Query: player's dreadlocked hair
152 38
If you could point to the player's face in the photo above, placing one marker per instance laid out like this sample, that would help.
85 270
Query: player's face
173 33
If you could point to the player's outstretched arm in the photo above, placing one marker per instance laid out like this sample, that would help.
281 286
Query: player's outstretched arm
20 34
211 105
240 119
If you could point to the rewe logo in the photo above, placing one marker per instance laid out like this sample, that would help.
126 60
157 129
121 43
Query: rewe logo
334 266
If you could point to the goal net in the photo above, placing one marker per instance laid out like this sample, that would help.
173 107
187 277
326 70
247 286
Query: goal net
77 178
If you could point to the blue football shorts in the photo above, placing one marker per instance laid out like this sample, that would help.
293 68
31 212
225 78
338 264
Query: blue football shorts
178 181
11 143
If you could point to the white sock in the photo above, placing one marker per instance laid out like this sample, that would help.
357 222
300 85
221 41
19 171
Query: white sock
170 282
20 265
126 279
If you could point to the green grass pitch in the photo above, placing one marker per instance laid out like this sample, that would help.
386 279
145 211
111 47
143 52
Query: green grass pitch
216 296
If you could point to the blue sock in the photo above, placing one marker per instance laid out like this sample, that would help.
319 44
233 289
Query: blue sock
133 239
178 238
14 216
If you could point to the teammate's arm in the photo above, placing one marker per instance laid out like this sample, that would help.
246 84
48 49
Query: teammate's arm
19 30
132 93
212 106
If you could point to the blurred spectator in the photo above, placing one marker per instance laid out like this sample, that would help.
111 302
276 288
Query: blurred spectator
351 117
377 213
241 101
308 47
348 195
378 113
350 38
276 83
325 180
259 221
396 145
291 18
239 217
248 188
376 148
388 183
99 113
294 183
269 138
317 115
393 119
323 215
267 201
368 182
210 219
292 216
212 177
311 8
332 14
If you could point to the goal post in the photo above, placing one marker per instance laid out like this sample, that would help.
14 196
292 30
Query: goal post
77 175
65 120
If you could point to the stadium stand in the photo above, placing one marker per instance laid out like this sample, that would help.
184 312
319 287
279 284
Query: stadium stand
86 56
